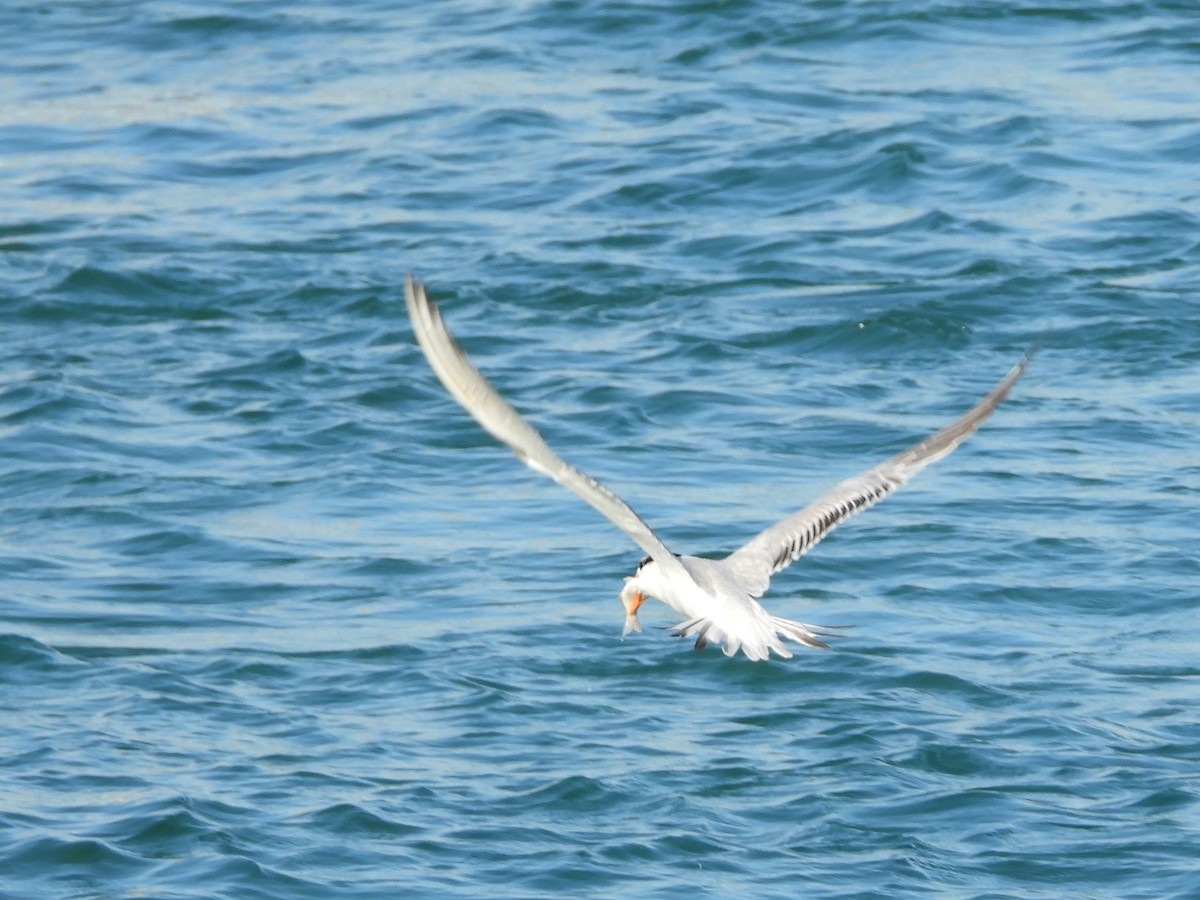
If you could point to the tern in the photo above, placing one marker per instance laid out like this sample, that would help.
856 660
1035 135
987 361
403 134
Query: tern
717 597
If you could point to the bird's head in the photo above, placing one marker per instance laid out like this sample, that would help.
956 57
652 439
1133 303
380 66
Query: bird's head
633 595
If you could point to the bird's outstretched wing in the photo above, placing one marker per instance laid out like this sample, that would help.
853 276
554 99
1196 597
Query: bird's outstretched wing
779 546
481 400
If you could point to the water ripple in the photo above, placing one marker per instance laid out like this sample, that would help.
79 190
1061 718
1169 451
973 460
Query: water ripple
278 620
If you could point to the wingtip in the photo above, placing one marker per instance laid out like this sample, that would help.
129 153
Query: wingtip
423 312
410 294
1006 383
1030 352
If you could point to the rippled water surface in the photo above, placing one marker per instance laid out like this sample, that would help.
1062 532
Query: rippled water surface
278 620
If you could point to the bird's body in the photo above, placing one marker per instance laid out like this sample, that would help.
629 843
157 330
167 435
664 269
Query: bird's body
718 598
718 609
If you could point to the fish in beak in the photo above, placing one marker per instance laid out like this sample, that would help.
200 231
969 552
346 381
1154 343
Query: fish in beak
632 599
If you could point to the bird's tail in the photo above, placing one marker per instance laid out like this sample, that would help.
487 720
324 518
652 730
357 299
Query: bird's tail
809 635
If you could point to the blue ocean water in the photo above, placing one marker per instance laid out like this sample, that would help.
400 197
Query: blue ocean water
278 620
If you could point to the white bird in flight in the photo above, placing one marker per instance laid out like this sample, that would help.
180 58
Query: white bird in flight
717 597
